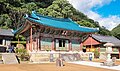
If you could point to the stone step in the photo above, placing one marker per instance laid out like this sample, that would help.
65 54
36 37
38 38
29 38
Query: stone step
9 58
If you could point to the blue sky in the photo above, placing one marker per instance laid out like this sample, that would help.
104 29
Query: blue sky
112 8
106 12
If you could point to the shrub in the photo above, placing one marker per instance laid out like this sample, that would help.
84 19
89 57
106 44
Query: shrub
96 53
22 54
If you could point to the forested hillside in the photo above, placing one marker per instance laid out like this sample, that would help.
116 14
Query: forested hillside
12 13
116 31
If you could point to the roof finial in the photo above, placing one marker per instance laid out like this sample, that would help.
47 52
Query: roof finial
26 15
34 11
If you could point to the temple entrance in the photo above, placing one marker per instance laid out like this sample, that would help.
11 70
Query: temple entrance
62 44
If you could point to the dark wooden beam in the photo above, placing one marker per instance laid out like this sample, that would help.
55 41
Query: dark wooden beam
51 31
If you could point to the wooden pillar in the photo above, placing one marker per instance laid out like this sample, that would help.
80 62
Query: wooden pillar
90 42
70 45
112 49
3 42
38 44
53 44
40 38
81 45
38 41
119 52
98 49
31 38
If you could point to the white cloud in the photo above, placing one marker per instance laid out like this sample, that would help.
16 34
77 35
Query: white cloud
110 22
85 6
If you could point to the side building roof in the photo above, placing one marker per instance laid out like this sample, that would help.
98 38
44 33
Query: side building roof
105 39
59 23
6 32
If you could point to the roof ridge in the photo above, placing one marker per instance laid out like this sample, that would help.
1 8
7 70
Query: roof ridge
53 18
98 35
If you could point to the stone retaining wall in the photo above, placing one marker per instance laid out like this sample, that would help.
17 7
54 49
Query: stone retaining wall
52 56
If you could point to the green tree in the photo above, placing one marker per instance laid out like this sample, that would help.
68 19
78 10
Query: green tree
5 21
116 31
13 11
29 7
20 37
117 35
59 9
85 23
16 16
15 3
104 31
43 3
96 53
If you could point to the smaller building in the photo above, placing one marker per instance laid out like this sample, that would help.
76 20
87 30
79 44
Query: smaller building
96 42
5 38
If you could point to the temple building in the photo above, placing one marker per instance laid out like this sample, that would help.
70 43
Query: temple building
6 36
96 42
44 33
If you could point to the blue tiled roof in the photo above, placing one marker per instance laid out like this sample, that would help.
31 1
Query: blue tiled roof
61 23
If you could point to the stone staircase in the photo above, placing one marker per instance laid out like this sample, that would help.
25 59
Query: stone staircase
9 58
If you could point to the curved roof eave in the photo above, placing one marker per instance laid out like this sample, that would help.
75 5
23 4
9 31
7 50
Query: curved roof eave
61 23
81 28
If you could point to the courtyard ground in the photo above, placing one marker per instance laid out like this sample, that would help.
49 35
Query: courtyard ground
99 60
26 66
49 67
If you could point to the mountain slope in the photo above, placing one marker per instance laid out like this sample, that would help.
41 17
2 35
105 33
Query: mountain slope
13 11
116 31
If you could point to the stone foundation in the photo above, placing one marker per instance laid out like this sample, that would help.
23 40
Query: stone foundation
40 57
